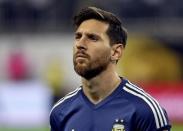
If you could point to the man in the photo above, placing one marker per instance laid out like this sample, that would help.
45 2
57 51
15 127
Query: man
105 101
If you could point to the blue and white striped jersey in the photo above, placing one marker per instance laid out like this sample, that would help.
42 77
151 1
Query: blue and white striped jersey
128 108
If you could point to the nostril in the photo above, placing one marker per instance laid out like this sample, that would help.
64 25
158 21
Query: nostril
80 45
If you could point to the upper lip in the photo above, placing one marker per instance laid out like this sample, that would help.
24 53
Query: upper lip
81 54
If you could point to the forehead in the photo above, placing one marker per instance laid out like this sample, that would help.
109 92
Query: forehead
93 26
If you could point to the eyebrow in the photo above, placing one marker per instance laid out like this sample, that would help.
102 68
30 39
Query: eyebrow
89 35
77 33
93 34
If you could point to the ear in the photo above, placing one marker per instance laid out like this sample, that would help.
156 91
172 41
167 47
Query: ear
116 52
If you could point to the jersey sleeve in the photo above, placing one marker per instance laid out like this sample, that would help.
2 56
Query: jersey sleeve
53 122
152 120
168 126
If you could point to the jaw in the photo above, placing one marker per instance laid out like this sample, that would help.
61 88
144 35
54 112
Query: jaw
88 71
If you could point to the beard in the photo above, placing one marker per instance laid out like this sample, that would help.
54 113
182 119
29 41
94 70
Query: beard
89 68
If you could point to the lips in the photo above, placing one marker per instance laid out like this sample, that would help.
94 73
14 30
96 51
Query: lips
81 55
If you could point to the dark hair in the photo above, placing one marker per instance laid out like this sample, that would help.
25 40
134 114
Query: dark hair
116 32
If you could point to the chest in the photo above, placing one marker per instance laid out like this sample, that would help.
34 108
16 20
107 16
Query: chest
108 118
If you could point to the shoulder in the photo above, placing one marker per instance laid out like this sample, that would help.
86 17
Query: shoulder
148 111
57 112
65 101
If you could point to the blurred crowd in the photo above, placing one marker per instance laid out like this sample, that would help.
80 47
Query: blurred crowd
53 15
140 17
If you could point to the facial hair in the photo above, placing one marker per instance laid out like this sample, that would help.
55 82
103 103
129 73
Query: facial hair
90 68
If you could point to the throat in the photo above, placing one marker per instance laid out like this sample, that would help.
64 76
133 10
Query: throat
95 98
97 93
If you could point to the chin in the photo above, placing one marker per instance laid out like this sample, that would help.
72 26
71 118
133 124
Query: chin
88 73
80 68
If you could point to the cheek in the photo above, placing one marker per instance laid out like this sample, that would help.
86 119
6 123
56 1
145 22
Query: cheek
74 49
102 54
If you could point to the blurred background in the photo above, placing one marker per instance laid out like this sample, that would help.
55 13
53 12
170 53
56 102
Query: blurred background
36 38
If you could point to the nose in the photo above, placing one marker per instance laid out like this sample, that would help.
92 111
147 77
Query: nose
81 43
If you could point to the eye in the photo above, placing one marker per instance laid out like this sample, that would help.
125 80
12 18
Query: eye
93 37
78 36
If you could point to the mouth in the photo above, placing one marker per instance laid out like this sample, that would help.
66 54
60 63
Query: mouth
81 55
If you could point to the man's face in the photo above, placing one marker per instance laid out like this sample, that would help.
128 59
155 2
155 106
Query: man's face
91 51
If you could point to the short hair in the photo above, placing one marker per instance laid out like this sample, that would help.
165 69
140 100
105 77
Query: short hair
116 32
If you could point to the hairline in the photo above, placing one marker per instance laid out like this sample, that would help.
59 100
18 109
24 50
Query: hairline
106 31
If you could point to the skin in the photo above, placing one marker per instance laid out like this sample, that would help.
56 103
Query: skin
92 50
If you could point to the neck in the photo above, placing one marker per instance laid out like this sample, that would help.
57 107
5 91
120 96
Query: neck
101 86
